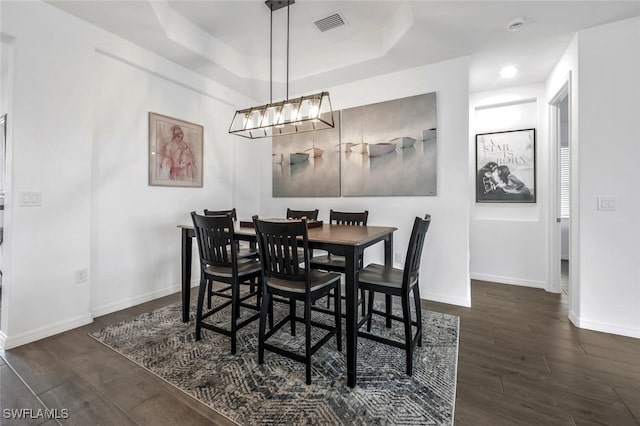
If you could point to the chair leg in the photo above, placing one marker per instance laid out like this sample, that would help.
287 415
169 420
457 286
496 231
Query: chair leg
406 314
235 313
387 308
292 314
370 309
210 293
264 309
416 298
328 299
338 317
270 313
201 292
259 294
307 337
364 310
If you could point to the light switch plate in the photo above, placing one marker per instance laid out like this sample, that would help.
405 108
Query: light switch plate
607 203
30 198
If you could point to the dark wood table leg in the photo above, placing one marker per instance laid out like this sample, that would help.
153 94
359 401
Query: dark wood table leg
388 261
187 234
351 289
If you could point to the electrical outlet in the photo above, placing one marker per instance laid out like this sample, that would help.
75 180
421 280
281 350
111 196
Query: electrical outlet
397 257
81 276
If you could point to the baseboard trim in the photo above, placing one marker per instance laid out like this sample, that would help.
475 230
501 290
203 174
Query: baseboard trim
603 327
445 299
133 301
508 280
11 342
574 318
3 340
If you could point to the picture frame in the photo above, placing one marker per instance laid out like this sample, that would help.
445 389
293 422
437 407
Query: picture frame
175 152
506 166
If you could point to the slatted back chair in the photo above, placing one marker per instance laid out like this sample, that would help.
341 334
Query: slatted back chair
279 244
302 214
336 263
230 212
219 261
399 282
244 250
348 218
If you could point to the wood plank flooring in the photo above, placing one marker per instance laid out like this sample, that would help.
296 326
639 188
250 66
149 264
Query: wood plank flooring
520 362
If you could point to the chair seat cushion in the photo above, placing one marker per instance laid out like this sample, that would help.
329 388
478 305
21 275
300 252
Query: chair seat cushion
246 251
319 280
381 275
333 261
245 267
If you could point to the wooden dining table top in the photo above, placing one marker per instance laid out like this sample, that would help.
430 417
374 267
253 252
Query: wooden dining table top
336 234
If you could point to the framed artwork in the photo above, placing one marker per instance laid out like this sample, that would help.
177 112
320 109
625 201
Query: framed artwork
390 148
307 164
175 152
506 167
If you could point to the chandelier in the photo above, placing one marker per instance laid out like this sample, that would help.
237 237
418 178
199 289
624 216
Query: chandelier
302 114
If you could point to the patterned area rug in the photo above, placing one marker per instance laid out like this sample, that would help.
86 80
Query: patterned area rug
276 393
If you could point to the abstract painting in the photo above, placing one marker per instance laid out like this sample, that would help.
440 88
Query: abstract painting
389 148
307 164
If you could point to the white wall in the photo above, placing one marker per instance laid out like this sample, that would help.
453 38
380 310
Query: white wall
508 242
80 107
445 262
609 60
51 152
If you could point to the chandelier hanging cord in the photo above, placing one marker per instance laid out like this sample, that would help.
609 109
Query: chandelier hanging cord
271 58
302 114
288 6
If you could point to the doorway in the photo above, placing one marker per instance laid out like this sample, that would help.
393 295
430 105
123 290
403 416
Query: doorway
565 192
6 70
561 191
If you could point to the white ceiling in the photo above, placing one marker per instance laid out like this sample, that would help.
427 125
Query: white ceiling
228 41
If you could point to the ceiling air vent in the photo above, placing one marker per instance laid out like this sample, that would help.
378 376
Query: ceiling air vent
330 22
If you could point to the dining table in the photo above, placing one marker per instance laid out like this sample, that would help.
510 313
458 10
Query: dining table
349 241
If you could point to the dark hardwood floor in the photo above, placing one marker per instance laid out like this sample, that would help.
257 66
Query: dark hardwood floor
520 362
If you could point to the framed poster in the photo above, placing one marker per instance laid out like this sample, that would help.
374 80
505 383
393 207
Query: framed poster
175 152
506 167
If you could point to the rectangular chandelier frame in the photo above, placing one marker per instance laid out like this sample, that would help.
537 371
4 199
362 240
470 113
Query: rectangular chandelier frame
304 114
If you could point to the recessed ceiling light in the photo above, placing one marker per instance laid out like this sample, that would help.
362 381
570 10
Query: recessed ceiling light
516 24
508 72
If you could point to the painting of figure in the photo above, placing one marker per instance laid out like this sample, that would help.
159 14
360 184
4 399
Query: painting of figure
175 152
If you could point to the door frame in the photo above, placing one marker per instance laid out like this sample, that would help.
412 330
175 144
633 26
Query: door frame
554 190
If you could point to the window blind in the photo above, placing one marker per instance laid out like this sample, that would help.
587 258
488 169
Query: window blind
565 182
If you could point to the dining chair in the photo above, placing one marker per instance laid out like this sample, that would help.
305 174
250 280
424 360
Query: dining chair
301 214
283 276
336 263
219 262
390 281
243 250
